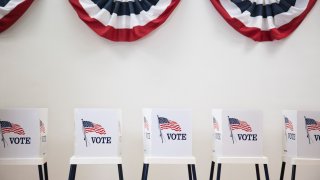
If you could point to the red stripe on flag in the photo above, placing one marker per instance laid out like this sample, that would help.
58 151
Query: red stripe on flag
216 126
289 126
313 127
171 125
243 126
97 129
14 129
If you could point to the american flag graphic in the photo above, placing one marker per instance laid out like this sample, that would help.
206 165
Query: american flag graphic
215 124
42 128
92 127
168 124
237 124
288 123
146 124
7 127
312 124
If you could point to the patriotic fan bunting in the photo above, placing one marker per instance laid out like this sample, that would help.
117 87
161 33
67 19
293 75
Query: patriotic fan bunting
124 20
264 20
11 11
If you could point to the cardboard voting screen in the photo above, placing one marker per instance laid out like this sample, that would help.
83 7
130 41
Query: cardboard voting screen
301 133
23 132
97 132
237 133
167 132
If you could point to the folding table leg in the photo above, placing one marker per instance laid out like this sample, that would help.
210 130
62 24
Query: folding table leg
145 171
189 171
212 170
40 172
120 172
219 171
72 172
46 171
283 167
257 171
266 172
194 172
293 175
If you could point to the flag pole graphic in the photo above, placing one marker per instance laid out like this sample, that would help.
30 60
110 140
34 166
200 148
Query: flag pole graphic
145 127
84 133
2 137
285 128
231 130
308 135
160 128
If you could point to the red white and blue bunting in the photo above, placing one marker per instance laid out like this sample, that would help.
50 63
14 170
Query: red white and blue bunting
264 20
11 11
124 20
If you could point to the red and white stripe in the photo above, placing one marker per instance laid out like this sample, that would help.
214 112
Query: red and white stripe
14 129
216 126
42 127
12 11
146 125
243 126
171 125
123 28
289 126
314 127
96 128
264 29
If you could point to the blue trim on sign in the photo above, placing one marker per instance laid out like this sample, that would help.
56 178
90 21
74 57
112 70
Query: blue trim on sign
125 8
264 10
3 3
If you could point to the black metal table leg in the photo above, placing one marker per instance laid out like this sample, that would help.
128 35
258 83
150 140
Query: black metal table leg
257 171
72 172
212 170
219 171
46 171
145 171
293 175
194 172
40 172
266 172
120 172
283 167
189 171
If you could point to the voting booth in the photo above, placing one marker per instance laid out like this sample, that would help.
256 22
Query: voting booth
237 133
167 135
237 139
23 135
97 138
301 132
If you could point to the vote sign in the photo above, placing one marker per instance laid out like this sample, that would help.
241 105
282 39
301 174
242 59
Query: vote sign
167 132
237 133
23 132
301 133
97 132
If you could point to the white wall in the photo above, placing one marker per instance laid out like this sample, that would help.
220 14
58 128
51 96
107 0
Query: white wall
50 58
